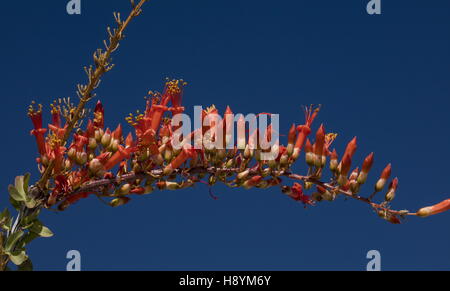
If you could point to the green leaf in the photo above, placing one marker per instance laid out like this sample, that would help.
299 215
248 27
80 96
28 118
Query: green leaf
18 258
41 230
4 215
12 239
26 182
7 224
28 221
19 186
16 194
15 204
28 237
26 266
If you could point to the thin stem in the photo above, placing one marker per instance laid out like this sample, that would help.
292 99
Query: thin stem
93 186
85 92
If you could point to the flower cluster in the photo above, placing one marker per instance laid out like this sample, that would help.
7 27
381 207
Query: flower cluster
103 162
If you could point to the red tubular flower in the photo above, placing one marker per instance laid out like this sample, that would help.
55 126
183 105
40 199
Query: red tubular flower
99 115
121 154
129 141
319 146
186 153
298 195
434 209
383 178
351 148
390 195
173 91
58 153
291 139
117 133
90 130
157 115
56 116
209 112
345 168
304 130
73 199
61 186
38 131
368 162
367 165
346 164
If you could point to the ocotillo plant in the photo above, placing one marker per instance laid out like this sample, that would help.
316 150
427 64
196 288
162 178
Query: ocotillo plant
79 156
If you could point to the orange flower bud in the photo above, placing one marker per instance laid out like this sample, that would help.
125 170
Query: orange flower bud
434 209
119 201
319 146
291 139
351 148
367 165
390 195
106 138
383 178
178 161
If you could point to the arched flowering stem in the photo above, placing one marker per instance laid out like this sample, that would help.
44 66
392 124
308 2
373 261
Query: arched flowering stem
79 159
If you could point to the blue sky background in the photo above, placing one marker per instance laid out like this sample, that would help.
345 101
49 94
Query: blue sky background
382 78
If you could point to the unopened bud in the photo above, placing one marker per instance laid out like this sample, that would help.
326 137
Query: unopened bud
354 186
168 155
308 185
81 158
114 145
362 178
212 180
68 164
95 165
284 160
390 195
92 143
172 186
119 201
98 135
424 212
342 180
106 140
309 157
124 189
72 153
380 184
